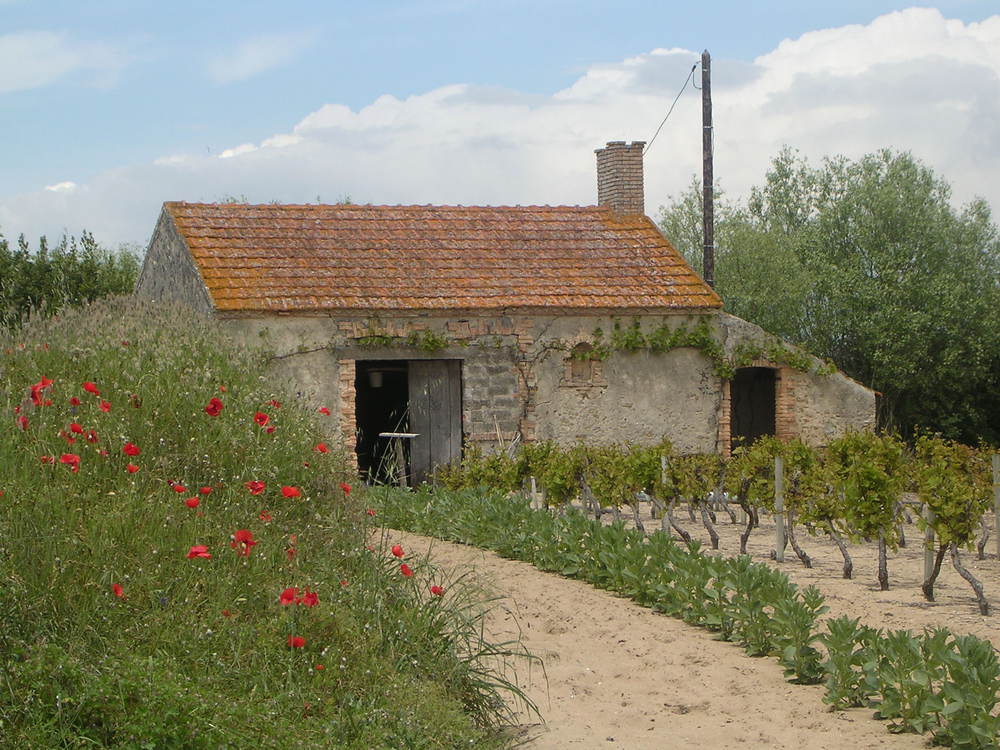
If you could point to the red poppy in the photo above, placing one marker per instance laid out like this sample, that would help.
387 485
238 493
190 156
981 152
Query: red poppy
318 667
180 489
119 592
226 613
345 488
74 401
130 449
204 490
91 388
48 459
199 550
291 491
372 512
296 641
291 552
243 541
255 487
132 468
275 404
214 407
75 427
405 570
105 405
397 550
437 590
310 598
324 411
92 437
260 418
265 516
192 502
22 422
288 596
69 438
222 389
269 429
72 460
321 448
36 392
343 583
102 453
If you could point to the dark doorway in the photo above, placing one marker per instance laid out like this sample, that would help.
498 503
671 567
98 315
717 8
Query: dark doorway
421 396
752 402
381 388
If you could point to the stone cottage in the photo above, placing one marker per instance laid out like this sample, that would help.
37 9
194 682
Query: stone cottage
485 325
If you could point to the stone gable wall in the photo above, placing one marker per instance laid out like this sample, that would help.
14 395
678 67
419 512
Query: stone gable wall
168 272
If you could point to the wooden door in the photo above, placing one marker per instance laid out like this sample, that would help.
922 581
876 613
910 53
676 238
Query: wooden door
435 415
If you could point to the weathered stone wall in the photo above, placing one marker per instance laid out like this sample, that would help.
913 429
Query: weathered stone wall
168 272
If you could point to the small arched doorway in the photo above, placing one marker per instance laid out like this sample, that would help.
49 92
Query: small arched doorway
753 393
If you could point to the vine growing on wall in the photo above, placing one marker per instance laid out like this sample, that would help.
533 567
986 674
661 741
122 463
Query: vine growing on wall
631 338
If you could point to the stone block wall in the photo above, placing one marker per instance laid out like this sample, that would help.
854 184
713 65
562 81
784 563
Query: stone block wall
168 272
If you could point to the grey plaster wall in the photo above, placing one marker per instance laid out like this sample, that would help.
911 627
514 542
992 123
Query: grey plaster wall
827 406
168 272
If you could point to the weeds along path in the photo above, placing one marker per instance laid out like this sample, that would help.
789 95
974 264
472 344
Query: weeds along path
620 675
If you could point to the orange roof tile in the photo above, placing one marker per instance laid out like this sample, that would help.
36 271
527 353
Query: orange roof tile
352 257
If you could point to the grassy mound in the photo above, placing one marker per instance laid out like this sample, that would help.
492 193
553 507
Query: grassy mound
195 573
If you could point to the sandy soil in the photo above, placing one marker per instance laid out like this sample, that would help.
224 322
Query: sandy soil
619 675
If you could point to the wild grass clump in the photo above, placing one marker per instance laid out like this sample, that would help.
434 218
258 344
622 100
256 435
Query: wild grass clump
180 572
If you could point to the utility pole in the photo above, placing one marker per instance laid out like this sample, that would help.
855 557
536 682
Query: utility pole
707 178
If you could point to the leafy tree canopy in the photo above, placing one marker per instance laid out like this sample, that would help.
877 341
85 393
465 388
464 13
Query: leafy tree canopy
867 263
75 271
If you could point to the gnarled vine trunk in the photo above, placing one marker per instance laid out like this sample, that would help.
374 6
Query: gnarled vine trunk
984 606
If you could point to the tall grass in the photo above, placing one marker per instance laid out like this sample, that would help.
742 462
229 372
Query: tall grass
113 635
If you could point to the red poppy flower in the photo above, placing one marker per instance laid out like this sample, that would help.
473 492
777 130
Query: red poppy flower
405 570
437 590
22 422
36 392
91 388
199 550
318 667
222 389
343 583
69 438
72 460
275 404
105 405
48 459
324 411
291 552
130 449
310 598
92 437
102 453
372 512
296 641
243 541
265 516
74 401
288 596
345 488
255 487
132 468
214 407
180 489
119 592
269 429
321 448
75 427
291 491
226 613
192 502
205 490
260 418
397 550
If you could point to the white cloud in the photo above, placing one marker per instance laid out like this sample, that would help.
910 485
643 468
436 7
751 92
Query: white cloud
31 59
255 55
61 187
911 80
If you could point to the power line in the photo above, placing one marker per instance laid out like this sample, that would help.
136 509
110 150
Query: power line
686 81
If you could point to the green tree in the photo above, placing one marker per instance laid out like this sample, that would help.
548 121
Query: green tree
869 264
74 272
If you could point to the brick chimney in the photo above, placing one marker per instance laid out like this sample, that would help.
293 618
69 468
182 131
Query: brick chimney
619 177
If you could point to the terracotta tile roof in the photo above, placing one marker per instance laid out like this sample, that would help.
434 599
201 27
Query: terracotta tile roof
353 257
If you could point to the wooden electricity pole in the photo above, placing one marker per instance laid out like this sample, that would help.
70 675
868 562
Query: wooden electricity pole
707 178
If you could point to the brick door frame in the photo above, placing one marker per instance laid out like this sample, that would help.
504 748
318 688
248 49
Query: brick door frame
785 426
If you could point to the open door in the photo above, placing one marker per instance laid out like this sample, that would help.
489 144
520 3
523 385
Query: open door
753 400
435 396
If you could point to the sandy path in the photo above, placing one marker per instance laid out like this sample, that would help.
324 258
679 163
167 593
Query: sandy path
620 675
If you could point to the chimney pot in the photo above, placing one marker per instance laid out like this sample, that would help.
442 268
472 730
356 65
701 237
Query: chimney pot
619 177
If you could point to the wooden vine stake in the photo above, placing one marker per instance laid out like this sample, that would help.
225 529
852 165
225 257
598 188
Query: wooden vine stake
996 498
929 568
779 509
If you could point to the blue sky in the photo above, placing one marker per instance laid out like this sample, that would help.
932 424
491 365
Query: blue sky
108 108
